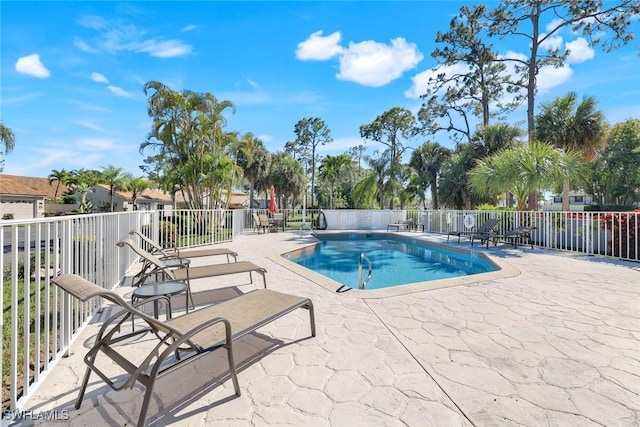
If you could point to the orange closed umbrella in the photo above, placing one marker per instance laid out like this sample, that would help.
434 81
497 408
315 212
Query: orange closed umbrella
273 206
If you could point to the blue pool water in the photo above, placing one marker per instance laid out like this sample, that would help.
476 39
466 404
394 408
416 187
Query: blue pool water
395 261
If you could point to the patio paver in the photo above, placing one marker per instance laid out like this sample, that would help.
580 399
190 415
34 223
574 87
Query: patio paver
558 344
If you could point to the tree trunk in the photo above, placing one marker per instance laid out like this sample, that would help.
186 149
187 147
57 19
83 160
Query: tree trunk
565 194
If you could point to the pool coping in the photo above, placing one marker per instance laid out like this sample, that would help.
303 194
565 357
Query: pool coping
506 269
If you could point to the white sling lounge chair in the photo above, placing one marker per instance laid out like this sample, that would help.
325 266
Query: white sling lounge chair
180 271
156 249
187 337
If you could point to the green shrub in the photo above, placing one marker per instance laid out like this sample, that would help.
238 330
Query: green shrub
490 207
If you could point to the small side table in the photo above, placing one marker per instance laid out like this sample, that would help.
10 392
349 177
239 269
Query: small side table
168 289
172 262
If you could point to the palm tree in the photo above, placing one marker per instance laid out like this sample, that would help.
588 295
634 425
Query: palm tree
7 139
427 160
113 177
374 184
137 186
523 170
331 168
187 135
490 139
254 160
61 177
575 127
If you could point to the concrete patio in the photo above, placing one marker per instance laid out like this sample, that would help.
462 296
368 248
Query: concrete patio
556 345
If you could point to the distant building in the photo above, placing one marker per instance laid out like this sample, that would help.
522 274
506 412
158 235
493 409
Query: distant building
239 200
577 201
24 197
149 199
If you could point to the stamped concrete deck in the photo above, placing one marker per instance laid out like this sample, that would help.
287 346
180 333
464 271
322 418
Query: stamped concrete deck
556 345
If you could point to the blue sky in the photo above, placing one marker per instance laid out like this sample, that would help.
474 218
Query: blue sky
72 73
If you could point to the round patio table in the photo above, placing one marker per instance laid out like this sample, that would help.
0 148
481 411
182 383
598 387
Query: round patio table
167 289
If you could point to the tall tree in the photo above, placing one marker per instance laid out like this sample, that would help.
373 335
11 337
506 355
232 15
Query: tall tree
490 139
188 141
539 21
621 157
61 177
137 186
254 161
7 140
357 152
287 176
427 160
469 81
310 134
331 169
388 129
114 177
574 127
374 185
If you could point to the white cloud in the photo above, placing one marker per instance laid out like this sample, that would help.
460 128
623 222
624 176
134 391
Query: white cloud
188 28
341 145
118 91
553 24
375 64
368 63
32 66
164 49
554 42
83 46
319 48
97 143
421 80
93 22
89 125
253 84
99 78
265 138
579 51
550 77
114 37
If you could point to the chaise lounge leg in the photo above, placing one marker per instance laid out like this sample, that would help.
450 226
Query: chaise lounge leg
232 368
312 318
83 388
142 418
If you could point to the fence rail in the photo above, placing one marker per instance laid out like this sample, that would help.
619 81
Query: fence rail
39 323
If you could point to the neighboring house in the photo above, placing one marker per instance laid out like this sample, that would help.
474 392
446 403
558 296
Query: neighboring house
239 200
24 197
150 199
577 201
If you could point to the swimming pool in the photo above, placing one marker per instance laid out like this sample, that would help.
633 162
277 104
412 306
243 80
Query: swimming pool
396 261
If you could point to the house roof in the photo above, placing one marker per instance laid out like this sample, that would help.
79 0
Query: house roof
29 186
238 198
148 194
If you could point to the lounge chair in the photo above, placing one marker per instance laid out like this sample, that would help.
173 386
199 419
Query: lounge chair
277 221
405 225
483 230
161 252
261 222
519 234
181 271
187 337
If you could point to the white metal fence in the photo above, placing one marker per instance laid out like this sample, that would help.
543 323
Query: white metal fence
39 323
